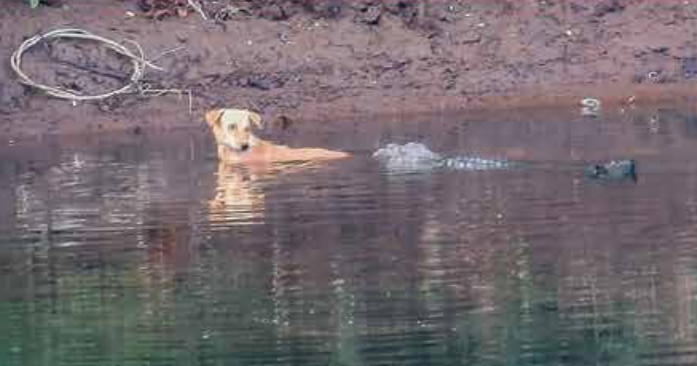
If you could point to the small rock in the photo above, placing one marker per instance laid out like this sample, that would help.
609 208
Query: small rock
284 122
263 82
55 3
274 12
606 7
370 15
578 8
663 50
327 8
657 76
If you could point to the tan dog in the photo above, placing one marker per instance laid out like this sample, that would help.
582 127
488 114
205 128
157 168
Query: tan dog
233 131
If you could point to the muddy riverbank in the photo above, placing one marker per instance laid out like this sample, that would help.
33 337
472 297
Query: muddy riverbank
315 61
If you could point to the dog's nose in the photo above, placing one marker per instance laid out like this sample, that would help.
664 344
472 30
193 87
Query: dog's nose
244 147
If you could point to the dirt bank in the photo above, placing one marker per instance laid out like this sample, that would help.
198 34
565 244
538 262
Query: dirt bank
318 59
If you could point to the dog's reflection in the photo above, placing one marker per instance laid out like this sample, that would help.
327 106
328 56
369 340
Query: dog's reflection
239 196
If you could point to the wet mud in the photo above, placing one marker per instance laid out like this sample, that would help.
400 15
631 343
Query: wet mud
314 61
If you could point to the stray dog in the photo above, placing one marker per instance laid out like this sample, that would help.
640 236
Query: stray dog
244 159
237 144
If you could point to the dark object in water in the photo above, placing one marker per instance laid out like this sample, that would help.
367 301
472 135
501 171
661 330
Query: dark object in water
689 67
613 170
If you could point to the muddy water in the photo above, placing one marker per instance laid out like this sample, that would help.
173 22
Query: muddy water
140 250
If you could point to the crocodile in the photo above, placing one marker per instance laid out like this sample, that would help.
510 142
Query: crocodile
414 157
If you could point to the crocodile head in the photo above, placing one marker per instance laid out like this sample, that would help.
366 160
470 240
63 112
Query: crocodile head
613 170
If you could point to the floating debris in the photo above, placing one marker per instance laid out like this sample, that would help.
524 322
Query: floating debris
689 67
590 107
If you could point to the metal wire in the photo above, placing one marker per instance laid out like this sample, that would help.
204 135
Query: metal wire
140 63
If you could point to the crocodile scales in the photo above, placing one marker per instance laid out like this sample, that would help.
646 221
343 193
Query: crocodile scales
415 156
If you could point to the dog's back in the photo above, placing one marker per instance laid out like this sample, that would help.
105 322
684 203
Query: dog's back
257 151
272 153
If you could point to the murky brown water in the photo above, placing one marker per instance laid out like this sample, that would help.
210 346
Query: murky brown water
138 250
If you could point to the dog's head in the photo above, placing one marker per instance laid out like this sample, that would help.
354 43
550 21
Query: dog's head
233 128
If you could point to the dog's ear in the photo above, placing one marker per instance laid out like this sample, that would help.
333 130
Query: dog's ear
215 117
256 120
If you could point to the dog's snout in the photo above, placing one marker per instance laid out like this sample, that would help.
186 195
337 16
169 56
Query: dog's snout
244 147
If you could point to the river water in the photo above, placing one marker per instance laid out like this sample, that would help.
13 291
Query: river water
140 250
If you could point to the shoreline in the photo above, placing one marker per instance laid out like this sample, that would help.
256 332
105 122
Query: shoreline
368 107
471 57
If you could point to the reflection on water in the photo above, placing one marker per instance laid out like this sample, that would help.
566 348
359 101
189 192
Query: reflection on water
142 251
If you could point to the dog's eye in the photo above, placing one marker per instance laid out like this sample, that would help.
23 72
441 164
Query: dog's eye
232 127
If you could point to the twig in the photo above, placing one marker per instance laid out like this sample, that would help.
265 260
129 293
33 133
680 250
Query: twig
146 91
197 7
104 73
173 50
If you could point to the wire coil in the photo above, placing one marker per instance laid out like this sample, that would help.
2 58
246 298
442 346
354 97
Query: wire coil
140 64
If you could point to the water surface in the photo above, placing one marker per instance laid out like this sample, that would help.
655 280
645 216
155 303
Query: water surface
141 250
